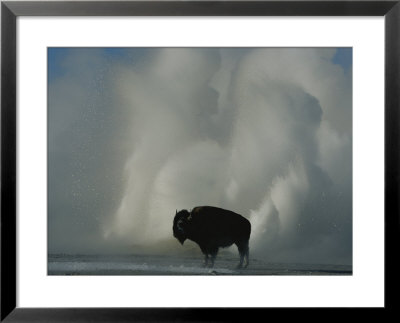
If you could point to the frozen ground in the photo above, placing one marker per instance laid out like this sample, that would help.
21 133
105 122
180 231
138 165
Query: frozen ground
62 264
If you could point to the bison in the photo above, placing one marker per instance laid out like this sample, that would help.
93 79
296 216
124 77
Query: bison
211 228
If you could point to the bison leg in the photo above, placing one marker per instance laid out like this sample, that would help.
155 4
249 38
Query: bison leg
209 254
247 256
205 260
205 253
244 254
213 254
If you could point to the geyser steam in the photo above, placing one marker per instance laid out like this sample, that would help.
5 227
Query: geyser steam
249 131
266 133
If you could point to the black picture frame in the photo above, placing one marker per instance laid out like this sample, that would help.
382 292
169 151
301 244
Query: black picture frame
10 10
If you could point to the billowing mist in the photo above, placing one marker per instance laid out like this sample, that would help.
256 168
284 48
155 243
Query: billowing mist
135 134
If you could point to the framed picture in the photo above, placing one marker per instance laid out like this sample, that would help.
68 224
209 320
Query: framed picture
127 125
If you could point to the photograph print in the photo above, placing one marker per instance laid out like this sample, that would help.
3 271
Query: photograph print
199 161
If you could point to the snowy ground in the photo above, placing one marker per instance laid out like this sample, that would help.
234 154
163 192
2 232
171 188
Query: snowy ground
178 265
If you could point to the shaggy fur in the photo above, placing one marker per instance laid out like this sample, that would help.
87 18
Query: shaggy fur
212 228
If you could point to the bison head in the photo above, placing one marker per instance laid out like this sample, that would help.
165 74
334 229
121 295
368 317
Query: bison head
181 222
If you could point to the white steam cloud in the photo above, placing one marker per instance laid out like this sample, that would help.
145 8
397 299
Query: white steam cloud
266 133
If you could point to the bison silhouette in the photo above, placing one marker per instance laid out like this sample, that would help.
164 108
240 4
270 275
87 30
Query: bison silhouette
211 228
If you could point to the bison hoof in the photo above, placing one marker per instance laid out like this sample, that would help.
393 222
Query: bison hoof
242 266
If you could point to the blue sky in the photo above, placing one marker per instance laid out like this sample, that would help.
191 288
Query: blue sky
344 57
56 56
